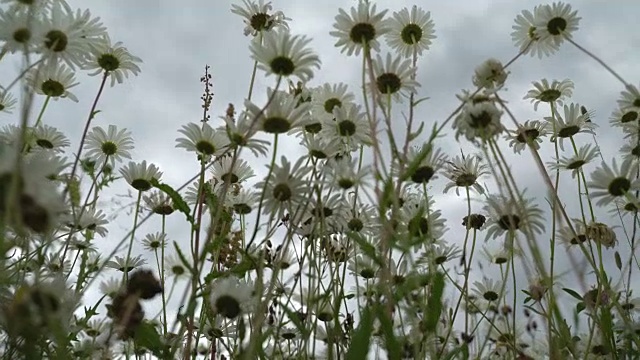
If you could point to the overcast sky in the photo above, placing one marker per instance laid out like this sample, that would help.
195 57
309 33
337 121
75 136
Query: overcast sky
176 41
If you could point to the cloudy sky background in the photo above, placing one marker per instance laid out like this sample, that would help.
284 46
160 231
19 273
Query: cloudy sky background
176 41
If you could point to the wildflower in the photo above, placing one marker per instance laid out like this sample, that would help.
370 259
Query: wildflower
507 214
465 172
53 80
112 59
282 114
609 183
479 120
38 203
410 32
525 34
360 29
240 134
16 31
571 124
155 241
258 17
394 77
490 74
285 188
283 54
123 265
529 133
422 223
567 236
441 253
423 163
601 234
325 98
553 93
350 127
49 138
319 147
327 211
244 202
202 139
499 256
474 221
230 170
363 266
537 289
344 174
230 296
89 219
488 289
7 102
139 176
67 38
556 22
159 203
111 287
586 154
623 116
113 144
175 268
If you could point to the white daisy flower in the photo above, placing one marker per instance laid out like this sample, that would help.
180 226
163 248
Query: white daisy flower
244 202
49 138
571 239
121 264
529 133
283 54
464 172
159 203
349 127
53 80
38 7
629 98
554 93
410 32
394 77
422 223
202 139
175 268
361 219
426 168
363 266
285 188
230 297
362 27
240 134
7 102
139 175
39 203
630 150
621 117
64 37
319 147
16 31
282 114
525 34
89 219
488 289
609 183
506 214
155 241
113 145
556 22
258 17
573 122
233 171
112 59
490 74
327 211
326 97
111 287
344 173
478 120
586 154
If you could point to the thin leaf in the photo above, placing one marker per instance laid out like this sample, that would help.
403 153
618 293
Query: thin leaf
572 293
362 337
434 303
178 202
